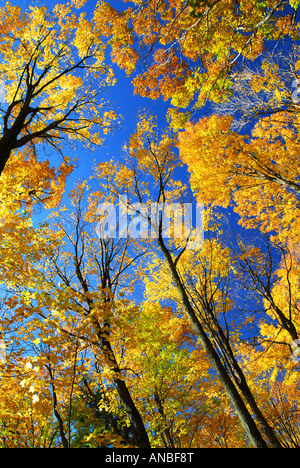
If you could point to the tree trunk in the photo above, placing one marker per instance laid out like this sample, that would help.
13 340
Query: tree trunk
4 155
237 402
241 382
139 431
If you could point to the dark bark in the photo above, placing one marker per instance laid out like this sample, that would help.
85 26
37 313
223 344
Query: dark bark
248 423
234 369
56 412
136 421
140 434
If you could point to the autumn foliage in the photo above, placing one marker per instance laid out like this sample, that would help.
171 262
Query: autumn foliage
134 341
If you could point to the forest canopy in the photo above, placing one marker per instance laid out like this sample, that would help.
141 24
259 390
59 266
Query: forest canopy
153 302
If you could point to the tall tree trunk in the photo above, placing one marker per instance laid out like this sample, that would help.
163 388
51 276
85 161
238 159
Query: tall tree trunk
56 412
248 423
140 433
241 382
4 155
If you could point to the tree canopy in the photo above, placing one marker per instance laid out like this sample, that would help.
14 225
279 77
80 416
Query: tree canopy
156 304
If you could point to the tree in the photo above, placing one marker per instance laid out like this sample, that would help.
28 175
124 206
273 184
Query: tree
191 49
50 80
263 89
75 294
88 355
146 151
257 175
95 369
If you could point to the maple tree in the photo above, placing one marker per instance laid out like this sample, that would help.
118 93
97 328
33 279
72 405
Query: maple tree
258 176
90 309
68 335
192 49
145 151
100 355
49 79
123 325
81 337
